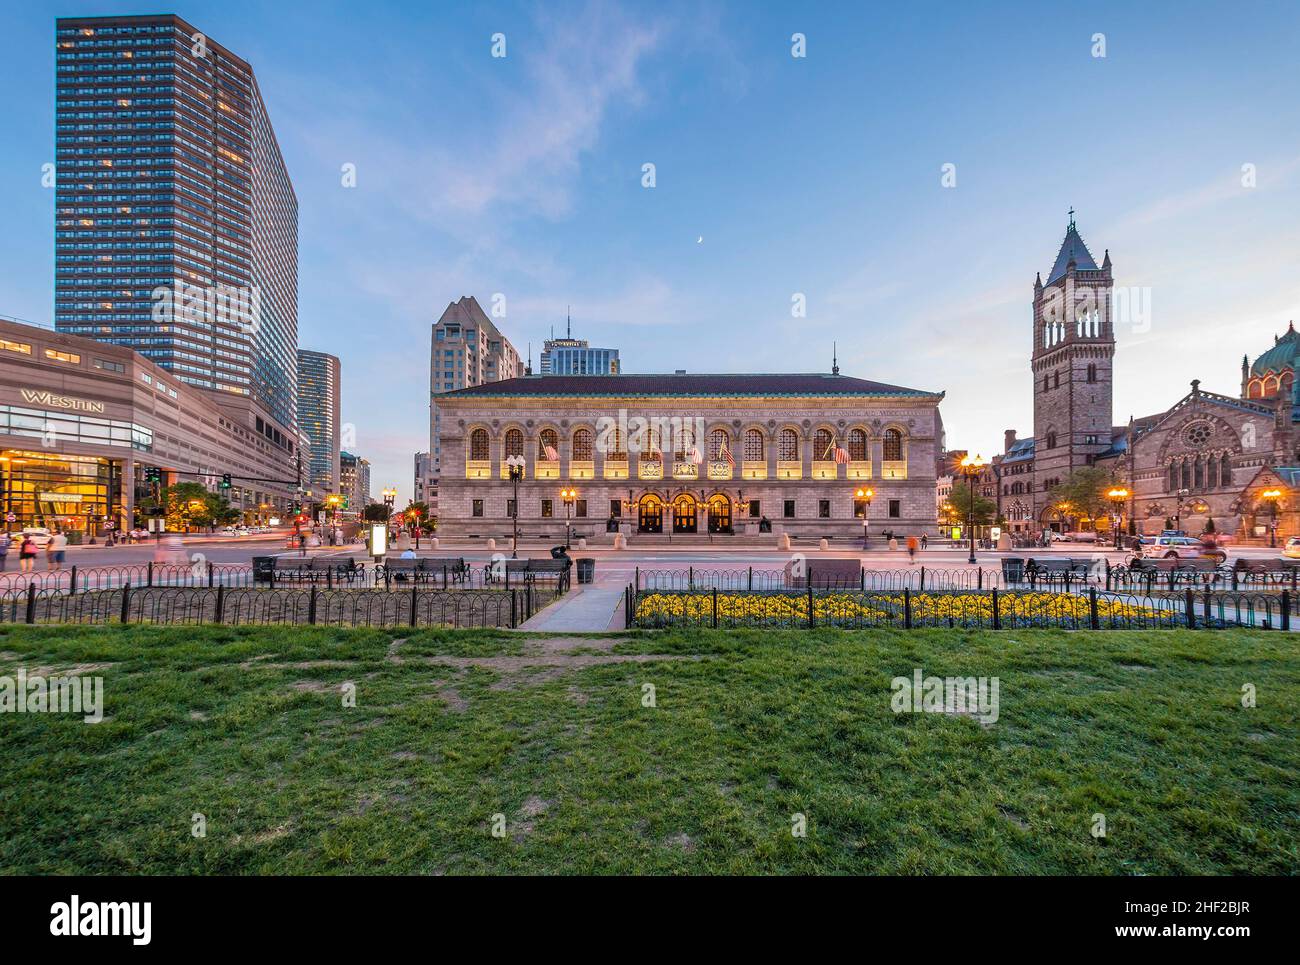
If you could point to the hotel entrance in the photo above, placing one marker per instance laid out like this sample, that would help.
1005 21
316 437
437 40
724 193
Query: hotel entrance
67 492
650 514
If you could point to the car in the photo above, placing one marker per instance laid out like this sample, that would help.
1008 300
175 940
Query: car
1292 548
40 535
1179 548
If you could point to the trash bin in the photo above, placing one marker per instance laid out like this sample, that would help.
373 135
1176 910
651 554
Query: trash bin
263 569
1013 569
586 570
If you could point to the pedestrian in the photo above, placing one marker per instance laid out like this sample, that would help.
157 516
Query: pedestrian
912 545
5 540
925 541
57 550
27 554
302 544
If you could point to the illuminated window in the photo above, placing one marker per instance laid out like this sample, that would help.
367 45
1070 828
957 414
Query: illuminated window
823 445
478 445
514 443
582 445
893 445
857 445
753 445
788 450
547 439
70 357
21 348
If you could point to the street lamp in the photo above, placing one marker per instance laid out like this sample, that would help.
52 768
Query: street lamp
568 496
1178 509
515 464
1272 495
864 495
1117 497
970 467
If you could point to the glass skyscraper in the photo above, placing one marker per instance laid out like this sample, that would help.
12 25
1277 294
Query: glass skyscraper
318 418
176 229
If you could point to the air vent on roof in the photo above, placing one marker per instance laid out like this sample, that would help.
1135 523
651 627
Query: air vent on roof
680 372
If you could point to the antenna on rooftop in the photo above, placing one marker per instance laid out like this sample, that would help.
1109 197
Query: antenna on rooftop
568 323
835 361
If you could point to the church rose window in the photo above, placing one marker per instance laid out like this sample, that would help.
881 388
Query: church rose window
1197 434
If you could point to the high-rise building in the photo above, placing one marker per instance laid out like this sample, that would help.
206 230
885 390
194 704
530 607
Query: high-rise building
575 356
354 480
176 225
467 349
425 489
318 418
1074 345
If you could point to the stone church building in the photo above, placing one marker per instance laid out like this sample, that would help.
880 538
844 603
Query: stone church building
1210 456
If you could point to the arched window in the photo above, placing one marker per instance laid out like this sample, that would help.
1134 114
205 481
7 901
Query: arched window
1254 390
514 443
823 444
1051 440
1212 472
893 446
858 445
1198 473
548 446
1173 477
717 443
1056 380
479 451
617 446
788 449
1186 474
582 445
1225 471
685 442
1045 385
753 445
650 444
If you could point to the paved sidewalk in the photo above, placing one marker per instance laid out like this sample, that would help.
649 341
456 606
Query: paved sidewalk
591 607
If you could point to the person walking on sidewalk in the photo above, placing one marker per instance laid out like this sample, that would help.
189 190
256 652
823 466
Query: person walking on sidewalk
27 554
913 544
57 550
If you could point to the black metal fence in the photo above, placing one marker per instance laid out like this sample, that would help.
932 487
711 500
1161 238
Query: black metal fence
823 577
311 605
992 609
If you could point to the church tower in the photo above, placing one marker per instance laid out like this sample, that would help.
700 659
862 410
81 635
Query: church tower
1074 346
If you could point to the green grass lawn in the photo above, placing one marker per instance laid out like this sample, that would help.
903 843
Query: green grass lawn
248 727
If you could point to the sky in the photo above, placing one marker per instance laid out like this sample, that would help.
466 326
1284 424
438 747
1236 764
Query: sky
775 176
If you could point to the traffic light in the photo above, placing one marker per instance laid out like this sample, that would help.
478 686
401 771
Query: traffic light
225 480
152 474
297 507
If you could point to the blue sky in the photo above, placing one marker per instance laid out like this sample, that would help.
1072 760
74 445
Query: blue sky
819 176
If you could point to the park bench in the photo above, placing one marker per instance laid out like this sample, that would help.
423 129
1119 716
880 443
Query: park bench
1173 572
529 571
1279 573
315 569
824 574
423 570
1057 571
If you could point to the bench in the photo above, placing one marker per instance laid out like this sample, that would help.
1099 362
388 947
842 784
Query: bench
1201 570
423 570
1065 571
529 570
316 569
824 574
1279 572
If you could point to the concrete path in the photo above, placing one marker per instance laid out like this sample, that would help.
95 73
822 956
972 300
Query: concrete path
591 607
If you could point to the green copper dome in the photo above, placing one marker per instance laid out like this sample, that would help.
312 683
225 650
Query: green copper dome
1281 356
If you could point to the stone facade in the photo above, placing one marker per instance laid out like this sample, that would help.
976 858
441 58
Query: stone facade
1074 346
782 432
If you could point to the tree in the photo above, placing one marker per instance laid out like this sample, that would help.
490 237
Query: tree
189 504
1085 490
376 513
960 501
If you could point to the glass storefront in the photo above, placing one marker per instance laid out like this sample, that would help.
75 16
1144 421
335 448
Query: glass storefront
59 491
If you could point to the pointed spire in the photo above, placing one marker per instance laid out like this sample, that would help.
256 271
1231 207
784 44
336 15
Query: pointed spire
1105 262
835 362
1073 253
529 369
1038 280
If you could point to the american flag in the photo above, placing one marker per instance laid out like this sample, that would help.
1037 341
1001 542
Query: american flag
694 455
841 455
551 454
726 454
